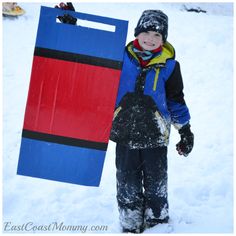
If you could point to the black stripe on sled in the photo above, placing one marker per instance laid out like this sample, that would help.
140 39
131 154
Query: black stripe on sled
64 140
73 57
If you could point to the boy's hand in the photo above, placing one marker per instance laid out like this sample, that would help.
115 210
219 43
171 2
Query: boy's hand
66 18
66 6
185 146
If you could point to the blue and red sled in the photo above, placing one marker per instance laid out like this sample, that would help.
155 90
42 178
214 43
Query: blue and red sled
73 87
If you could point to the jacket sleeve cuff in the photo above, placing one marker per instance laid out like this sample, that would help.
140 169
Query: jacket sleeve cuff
179 126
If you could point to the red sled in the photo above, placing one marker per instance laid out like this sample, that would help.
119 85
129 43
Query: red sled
73 87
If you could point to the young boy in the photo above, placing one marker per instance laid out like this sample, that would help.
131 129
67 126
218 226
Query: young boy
150 99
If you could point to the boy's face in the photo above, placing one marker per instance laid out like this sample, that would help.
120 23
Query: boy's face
150 40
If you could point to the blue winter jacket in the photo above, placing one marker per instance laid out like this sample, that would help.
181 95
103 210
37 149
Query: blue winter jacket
149 100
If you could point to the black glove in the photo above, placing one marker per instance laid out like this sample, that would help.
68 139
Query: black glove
66 18
185 146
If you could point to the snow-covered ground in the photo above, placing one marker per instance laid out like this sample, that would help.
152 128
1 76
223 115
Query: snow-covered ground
200 186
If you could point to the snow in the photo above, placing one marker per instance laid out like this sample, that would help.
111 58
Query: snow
200 185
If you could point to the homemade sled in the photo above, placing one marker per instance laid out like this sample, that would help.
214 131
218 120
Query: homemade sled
73 87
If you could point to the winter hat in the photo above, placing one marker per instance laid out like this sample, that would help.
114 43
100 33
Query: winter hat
153 20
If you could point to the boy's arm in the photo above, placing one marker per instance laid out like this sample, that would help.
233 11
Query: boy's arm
179 111
175 99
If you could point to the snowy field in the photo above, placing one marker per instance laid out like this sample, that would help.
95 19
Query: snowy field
200 186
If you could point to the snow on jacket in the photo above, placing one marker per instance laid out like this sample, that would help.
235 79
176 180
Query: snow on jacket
149 99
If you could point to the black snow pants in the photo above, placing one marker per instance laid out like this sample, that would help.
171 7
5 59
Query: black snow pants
141 187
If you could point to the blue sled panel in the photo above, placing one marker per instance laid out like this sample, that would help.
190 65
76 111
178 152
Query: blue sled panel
58 162
79 39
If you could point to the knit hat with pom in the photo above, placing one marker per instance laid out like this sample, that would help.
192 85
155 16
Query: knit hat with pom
153 20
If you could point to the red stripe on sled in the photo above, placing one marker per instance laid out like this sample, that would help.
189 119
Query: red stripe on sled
71 99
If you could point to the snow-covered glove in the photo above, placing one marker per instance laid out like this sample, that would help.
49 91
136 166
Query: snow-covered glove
185 146
66 18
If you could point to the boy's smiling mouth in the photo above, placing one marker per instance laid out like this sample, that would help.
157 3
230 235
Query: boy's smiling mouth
149 44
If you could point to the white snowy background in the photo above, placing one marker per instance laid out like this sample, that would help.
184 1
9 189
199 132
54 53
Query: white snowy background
200 186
